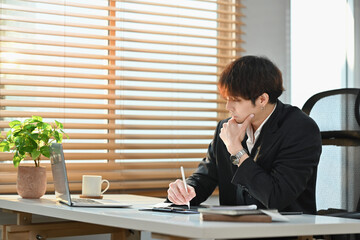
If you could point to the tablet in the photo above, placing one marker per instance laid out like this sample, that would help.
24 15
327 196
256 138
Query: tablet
171 210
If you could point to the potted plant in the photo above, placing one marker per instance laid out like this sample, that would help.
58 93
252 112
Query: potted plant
31 138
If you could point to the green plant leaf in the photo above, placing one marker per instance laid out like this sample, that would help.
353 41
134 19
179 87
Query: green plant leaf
59 124
17 159
4 146
11 145
19 141
28 121
45 150
45 136
14 123
37 118
22 152
40 125
31 143
30 127
67 136
47 126
58 136
35 154
18 132
34 136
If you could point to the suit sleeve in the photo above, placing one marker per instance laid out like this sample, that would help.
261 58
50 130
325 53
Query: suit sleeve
205 178
297 154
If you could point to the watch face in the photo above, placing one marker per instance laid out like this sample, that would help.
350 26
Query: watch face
234 159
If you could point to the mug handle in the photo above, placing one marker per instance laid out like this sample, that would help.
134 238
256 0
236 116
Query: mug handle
107 187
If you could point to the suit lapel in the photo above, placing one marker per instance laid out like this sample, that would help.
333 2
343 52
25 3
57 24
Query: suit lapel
268 136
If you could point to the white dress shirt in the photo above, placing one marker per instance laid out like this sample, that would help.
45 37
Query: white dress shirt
253 137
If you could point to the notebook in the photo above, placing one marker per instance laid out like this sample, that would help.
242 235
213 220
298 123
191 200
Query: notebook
61 184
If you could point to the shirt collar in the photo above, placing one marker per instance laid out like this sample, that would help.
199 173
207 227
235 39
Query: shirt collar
249 131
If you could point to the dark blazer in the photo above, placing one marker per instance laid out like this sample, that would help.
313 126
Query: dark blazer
280 172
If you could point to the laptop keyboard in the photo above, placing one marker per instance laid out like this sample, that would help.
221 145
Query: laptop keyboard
84 200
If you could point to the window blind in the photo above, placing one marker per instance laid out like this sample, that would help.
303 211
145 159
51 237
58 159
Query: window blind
133 82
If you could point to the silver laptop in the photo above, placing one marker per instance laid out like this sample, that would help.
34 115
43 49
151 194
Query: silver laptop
61 183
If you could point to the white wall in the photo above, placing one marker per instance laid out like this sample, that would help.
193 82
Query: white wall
267 33
357 43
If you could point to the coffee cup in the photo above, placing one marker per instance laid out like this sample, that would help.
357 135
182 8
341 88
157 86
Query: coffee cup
91 185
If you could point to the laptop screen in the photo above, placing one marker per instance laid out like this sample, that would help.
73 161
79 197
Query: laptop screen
58 167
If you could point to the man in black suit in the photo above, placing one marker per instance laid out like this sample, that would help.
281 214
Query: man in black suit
266 154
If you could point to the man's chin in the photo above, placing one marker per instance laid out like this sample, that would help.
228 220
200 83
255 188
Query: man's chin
238 121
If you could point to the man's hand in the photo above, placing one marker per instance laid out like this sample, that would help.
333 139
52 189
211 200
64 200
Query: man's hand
233 133
177 193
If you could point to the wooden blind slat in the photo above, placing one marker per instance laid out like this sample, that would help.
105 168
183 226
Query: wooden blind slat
182 7
14 114
92 26
132 146
93 16
5 124
95 36
103 96
101 37
95 76
75 4
112 176
93 56
102 87
104 106
97 66
111 156
89 167
120 48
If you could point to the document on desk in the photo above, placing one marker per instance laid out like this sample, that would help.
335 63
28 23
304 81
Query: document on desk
241 213
275 216
232 210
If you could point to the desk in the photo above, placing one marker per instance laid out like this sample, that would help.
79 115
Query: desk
186 226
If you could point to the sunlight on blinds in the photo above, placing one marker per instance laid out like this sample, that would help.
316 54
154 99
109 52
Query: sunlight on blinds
134 82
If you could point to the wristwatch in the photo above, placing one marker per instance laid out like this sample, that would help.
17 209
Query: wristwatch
235 159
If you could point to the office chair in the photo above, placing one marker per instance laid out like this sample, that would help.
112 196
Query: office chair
337 114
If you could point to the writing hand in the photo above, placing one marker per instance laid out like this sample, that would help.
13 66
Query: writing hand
177 193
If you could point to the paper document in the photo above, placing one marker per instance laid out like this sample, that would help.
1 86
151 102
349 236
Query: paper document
247 210
231 210
240 207
163 204
275 216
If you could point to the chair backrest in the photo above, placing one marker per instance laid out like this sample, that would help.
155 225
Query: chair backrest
335 109
337 114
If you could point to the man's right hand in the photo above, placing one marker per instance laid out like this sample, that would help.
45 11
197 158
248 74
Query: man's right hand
177 193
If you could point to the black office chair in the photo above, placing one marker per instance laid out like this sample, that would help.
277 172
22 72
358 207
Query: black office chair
337 114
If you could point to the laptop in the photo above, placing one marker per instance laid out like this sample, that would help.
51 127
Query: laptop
61 183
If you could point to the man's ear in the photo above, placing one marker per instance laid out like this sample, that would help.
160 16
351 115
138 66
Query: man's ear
263 99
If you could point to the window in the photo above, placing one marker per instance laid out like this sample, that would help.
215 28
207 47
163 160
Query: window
133 82
318 62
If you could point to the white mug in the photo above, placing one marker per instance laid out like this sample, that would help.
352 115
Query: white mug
91 185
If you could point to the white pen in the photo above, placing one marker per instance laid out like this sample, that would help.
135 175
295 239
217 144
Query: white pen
183 178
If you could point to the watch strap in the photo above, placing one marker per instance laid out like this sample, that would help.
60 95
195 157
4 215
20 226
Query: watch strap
236 158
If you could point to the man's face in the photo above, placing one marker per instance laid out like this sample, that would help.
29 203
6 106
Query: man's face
240 108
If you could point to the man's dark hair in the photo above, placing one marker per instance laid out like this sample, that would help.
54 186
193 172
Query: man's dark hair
249 77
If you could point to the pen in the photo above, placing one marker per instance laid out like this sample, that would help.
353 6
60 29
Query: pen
183 178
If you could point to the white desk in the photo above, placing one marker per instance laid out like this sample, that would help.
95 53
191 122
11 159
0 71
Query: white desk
188 226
